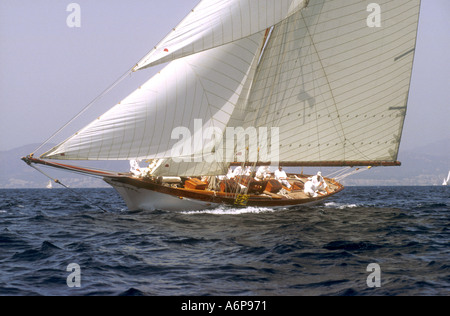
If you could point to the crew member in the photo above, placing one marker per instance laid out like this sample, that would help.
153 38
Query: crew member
309 189
319 183
281 176
263 173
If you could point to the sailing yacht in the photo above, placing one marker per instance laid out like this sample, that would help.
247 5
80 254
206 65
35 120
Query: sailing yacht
447 179
252 83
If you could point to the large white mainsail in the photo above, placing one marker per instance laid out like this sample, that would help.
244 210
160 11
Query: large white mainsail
335 87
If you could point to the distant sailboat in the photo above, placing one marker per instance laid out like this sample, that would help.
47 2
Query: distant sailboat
446 180
49 185
308 83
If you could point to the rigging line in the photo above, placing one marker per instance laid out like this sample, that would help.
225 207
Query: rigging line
277 121
324 72
121 78
150 53
251 76
346 141
257 115
67 187
338 172
283 57
317 110
239 188
351 173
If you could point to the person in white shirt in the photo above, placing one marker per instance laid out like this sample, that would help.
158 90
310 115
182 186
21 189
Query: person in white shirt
319 182
309 188
230 174
238 172
263 173
281 176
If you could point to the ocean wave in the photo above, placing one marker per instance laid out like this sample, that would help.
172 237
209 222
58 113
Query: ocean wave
232 211
351 246
46 250
309 250
340 206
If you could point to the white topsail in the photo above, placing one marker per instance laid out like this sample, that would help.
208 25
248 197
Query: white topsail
215 23
335 87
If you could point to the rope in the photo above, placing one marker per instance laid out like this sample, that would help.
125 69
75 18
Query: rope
338 173
86 108
357 170
67 187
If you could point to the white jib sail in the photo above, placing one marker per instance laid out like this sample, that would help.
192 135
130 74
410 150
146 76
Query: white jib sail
199 89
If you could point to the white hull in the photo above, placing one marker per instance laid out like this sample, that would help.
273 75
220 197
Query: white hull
147 200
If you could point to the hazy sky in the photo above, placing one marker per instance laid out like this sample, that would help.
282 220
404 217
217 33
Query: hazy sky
49 71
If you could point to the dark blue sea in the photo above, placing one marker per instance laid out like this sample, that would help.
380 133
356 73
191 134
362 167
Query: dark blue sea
320 250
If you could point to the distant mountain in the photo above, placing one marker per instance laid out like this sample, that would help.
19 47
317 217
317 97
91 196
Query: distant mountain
426 165
14 173
423 165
